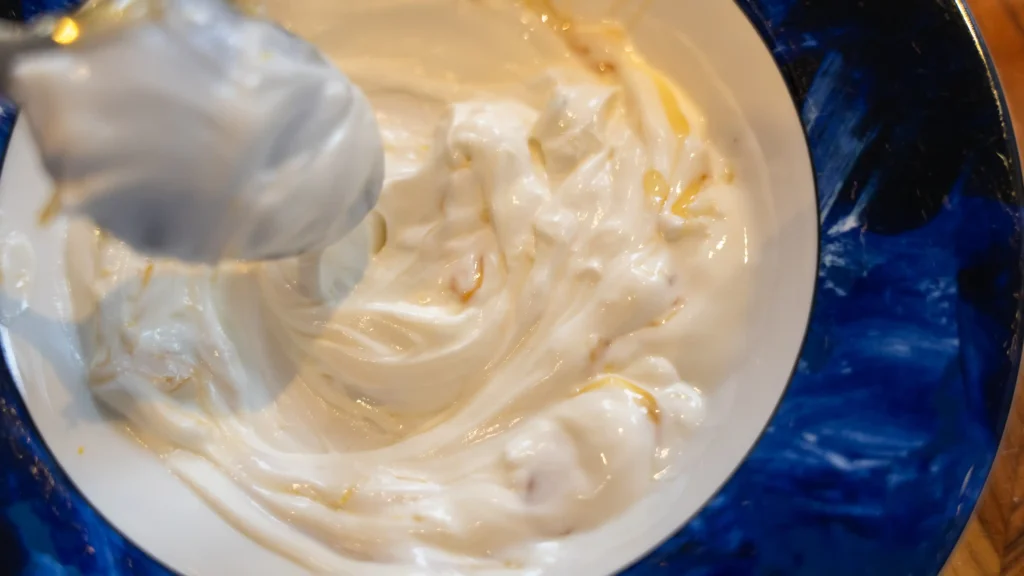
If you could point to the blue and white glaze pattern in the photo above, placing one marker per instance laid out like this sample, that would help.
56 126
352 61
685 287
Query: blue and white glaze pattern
877 454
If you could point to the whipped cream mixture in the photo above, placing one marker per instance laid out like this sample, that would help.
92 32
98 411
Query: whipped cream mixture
508 354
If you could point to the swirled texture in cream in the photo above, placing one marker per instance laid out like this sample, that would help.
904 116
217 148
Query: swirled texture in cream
510 352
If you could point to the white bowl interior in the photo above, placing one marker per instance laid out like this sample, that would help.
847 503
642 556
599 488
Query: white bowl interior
715 54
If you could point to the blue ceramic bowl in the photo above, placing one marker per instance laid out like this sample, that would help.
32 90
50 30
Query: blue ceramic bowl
876 455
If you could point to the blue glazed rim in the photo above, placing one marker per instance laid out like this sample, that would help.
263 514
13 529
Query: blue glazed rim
876 455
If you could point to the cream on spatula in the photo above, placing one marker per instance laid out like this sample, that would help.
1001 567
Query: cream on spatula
191 130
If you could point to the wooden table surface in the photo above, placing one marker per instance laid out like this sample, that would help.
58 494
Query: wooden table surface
994 540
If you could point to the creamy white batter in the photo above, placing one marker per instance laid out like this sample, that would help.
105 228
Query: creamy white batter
509 352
